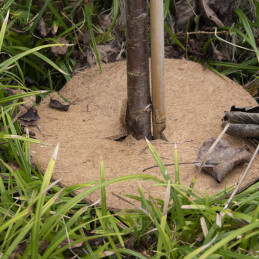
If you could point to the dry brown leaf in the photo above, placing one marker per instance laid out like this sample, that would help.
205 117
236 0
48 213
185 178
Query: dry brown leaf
244 122
184 13
41 28
29 101
223 158
55 104
29 118
243 130
210 13
86 38
104 21
173 52
60 50
242 117
221 55
107 53
220 12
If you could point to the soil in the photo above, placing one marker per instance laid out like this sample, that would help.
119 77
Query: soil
196 99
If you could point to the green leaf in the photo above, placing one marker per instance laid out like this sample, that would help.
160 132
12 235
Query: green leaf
3 29
90 28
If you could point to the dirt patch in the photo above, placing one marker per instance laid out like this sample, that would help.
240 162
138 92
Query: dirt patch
195 99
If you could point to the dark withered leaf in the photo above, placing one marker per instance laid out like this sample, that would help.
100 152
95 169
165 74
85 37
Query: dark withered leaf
55 104
27 123
242 117
218 12
173 52
245 109
185 13
29 118
41 28
108 53
243 130
104 21
223 158
31 115
244 122
60 50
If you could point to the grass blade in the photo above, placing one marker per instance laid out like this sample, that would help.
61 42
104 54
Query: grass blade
167 177
36 224
87 10
3 29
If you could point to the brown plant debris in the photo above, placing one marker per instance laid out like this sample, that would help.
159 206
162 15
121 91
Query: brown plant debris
213 13
55 104
60 50
185 13
29 118
107 53
104 21
223 158
244 122
27 102
243 130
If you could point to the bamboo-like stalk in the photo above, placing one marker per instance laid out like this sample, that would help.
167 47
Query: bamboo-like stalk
157 67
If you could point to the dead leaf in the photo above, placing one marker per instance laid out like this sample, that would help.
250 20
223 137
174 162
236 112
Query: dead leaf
242 117
104 21
69 241
41 28
85 37
253 92
184 13
55 104
243 130
29 118
219 12
245 109
60 50
173 52
244 122
108 53
29 101
221 55
223 158
210 13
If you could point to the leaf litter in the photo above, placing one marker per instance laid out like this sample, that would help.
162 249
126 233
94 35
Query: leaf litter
223 158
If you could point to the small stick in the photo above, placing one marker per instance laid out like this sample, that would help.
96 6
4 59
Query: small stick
183 163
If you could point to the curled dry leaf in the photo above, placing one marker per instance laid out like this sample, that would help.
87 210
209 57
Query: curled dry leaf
209 13
221 55
184 13
214 12
223 158
29 101
107 53
218 12
173 52
29 118
41 28
60 50
55 104
244 122
243 130
85 37
242 117
104 21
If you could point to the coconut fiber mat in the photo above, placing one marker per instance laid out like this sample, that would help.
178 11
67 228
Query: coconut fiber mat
195 101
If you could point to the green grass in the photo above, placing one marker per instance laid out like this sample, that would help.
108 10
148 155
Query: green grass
38 212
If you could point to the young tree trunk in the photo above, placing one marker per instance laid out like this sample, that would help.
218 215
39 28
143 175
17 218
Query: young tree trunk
139 100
